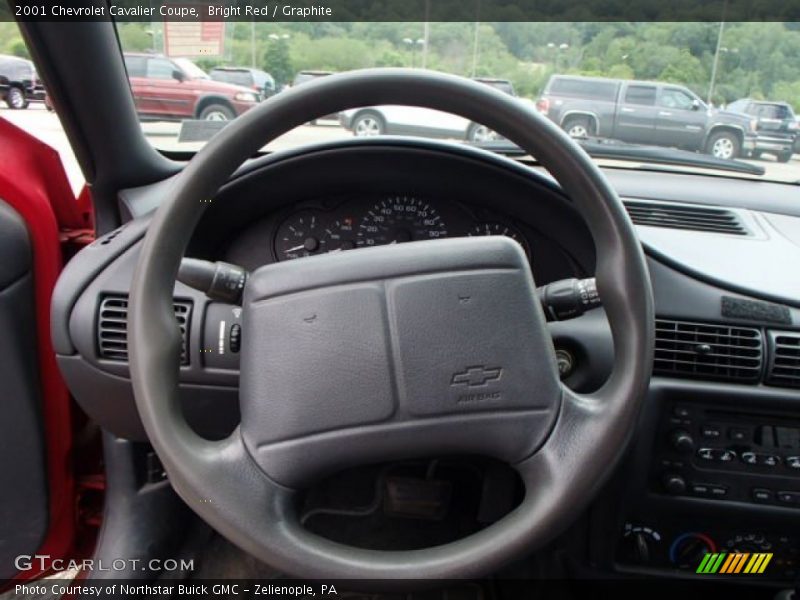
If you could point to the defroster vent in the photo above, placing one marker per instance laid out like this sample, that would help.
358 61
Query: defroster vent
681 216
112 328
708 351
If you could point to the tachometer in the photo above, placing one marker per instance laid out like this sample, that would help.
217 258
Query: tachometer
300 235
493 228
400 219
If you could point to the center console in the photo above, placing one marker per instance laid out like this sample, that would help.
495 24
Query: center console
710 472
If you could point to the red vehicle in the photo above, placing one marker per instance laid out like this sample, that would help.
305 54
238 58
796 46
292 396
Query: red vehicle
166 88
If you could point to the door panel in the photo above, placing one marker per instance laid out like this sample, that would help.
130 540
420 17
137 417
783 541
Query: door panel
637 114
24 508
679 123
166 95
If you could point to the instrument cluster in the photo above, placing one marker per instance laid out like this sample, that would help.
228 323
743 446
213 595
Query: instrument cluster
382 220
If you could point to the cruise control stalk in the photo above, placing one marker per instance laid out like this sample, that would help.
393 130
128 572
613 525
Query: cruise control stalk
568 298
220 281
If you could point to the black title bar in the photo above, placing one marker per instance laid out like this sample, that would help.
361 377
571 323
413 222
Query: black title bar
401 10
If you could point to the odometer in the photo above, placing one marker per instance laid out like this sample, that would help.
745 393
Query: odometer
400 219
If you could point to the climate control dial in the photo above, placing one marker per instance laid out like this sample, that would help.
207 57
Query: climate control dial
639 544
688 549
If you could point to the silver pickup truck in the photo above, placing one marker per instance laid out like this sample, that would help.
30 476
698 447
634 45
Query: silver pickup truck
643 112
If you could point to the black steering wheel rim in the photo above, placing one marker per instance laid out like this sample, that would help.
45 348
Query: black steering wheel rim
222 482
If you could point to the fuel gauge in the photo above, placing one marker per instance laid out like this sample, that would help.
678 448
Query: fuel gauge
300 235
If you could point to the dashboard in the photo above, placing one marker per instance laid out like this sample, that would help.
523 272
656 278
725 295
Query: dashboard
722 287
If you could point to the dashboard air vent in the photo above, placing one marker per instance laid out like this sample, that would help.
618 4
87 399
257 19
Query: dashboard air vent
677 216
784 358
112 328
708 351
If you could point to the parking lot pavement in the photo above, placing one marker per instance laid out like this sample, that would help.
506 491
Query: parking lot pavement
47 127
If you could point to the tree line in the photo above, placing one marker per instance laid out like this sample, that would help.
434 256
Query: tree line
758 60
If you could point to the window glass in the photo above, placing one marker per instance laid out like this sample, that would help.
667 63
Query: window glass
772 111
24 101
136 66
559 69
641 94
673 98
158 68
602 90
234 77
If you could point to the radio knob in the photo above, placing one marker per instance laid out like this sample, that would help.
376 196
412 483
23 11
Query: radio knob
682 441
674 484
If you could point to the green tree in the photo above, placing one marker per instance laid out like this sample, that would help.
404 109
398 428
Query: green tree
277 61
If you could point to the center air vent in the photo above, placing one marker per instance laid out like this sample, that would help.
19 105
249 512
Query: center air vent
112 328
679 216
708 351
784 358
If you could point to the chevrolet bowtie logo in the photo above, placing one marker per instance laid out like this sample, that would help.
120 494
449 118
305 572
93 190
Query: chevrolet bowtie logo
476 376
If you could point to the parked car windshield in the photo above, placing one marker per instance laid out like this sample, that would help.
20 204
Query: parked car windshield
191 69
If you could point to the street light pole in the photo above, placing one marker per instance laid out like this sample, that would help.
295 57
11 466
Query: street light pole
426 34
413 45
716 53
715 63
253 43
475 39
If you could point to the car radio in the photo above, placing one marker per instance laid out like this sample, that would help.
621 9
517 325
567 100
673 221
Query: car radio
702 451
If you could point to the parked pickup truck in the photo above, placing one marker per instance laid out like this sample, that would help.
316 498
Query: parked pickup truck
776 126
643 112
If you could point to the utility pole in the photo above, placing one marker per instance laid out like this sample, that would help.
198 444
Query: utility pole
475 39
426 34
253 43
716 55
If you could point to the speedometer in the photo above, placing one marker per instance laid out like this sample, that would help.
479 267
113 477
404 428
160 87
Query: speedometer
400 219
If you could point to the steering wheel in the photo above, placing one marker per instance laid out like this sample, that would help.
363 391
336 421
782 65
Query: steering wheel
412 350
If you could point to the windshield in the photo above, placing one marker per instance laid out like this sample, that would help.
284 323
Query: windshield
693 95
191 69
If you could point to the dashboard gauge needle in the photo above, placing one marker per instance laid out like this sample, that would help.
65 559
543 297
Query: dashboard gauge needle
295 248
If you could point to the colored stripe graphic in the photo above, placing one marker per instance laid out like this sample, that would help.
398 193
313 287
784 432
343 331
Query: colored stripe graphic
728 563
701 568
736 562
765 562
740 563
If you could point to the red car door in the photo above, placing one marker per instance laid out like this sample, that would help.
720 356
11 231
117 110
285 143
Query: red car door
168 95
157 92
